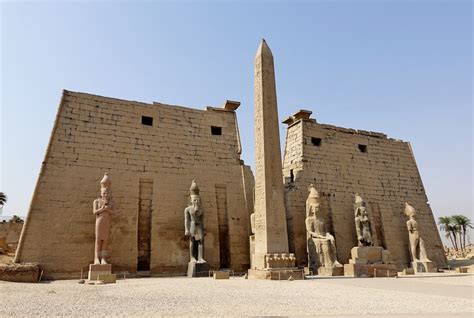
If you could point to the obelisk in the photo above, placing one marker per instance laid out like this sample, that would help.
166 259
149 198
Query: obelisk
271 238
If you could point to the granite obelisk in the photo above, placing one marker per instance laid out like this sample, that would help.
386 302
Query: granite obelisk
271 238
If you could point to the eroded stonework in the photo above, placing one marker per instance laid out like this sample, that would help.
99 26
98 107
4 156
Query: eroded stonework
342 162
152 151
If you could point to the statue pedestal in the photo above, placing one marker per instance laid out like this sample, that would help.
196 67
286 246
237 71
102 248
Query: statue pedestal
424 267
370 261
276 273
369 255
331 271
104 270
196 269
370 270
277 266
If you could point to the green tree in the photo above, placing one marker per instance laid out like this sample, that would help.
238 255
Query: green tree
446 224
463 223
16 219
3 199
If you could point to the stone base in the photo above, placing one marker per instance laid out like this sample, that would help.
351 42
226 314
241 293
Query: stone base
276 273
99 269
221 275
370 270
406 271
24 273
424 267
107 278
333 271
198 269
367 255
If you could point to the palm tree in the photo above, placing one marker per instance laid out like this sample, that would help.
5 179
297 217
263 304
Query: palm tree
462 222
446 225
3 199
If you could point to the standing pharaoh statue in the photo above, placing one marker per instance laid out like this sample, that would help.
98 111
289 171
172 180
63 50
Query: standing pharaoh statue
103 209
321 246
417 245
194 228
362 222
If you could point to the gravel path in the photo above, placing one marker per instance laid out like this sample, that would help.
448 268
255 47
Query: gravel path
438 296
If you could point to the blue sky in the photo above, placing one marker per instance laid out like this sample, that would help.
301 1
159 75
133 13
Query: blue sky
399 67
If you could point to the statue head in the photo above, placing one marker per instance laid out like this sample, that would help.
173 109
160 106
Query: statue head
312 203
409 210
359 206
194 197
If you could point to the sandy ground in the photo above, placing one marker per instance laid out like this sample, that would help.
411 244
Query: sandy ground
430 296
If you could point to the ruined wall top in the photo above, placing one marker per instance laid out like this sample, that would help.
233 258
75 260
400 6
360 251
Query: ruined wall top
305 115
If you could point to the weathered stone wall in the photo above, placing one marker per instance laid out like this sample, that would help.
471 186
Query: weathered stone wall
386 176
10 232
93 135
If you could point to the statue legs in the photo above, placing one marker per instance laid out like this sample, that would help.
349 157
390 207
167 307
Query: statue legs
327 253
414 248
200 252
192 243
97 251
196 250
423 256
100 253
105 243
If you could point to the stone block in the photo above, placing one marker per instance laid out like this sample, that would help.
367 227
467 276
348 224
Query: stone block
334 271
107 278
356 270
98 269
424 267
276 274
382 270
221 275
22 273
198 269
370 270
386 256
368 254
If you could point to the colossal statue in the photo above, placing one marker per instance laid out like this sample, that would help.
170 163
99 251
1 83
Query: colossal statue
193 224
362 222
103 209
417 245
321 246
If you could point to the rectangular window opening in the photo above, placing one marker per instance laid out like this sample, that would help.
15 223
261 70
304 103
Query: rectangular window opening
147 121
217 131
363 148
316 141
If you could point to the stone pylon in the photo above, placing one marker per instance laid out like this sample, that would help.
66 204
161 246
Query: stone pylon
271 238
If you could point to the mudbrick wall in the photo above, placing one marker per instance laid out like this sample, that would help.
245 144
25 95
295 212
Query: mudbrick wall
341 162
152 153
10 232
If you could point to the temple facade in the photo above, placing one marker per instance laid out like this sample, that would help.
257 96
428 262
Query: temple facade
153 152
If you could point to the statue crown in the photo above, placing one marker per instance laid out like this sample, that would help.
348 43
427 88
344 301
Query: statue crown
194 189
106 182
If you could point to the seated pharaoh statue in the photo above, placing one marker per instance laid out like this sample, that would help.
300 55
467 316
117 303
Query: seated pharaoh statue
362 222
420 260
321 245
